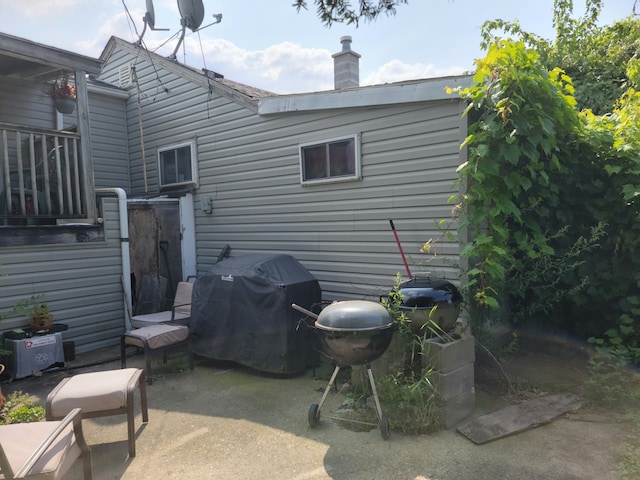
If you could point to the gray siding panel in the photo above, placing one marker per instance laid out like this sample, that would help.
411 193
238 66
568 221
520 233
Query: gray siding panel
109 142
339 231
81 283
248 165
26 103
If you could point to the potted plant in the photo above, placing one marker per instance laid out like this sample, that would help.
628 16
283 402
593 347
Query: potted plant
41 318
64 95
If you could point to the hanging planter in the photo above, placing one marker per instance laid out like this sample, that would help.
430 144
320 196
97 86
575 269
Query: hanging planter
64 95
65 105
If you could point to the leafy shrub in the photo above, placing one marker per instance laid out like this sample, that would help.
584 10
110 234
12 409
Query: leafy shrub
20 408
552 202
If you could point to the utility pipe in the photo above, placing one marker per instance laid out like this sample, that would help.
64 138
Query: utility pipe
124 250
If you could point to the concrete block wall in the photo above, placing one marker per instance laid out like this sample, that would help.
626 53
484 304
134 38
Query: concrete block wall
452 367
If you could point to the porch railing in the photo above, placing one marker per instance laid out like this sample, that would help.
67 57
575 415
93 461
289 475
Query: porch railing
41 176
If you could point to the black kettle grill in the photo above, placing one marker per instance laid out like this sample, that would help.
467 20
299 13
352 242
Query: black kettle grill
353 332
434 301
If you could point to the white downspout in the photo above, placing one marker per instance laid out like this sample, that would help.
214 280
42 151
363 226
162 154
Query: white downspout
124 250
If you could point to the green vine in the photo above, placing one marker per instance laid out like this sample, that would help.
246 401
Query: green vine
552 199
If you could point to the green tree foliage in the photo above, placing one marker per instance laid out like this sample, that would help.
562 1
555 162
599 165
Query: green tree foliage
552 201
341 11
594 57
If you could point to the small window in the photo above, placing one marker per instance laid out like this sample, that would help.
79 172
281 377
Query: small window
177 165
334 160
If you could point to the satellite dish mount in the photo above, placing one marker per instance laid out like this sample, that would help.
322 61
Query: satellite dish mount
191 17
149 20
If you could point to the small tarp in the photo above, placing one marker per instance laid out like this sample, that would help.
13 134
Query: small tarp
241 312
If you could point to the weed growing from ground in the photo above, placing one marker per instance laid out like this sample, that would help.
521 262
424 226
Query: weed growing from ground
20 408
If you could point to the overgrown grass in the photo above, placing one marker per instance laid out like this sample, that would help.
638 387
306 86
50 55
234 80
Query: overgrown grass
411 403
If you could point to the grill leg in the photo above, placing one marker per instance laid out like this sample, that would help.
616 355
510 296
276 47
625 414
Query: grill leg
375 392
326 390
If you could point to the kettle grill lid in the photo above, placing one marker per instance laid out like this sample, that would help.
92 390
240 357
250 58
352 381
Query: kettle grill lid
426 292
354 315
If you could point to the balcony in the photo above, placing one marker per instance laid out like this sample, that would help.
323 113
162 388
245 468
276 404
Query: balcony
42 177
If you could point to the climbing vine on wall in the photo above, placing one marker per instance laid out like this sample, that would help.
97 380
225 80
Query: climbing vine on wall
551 200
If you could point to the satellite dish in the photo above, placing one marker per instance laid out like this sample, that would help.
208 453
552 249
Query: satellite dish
192 13
149 20
191 16
150 16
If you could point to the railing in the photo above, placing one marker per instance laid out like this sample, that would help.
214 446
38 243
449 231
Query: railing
41 176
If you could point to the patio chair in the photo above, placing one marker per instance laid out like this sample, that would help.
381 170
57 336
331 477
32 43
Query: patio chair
44 449
180 312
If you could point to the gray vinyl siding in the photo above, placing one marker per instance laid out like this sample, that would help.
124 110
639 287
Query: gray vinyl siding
338 231
109 142
80 282
178 116
26 103
248 164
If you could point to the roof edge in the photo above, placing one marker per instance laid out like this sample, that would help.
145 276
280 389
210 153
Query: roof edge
57 57
425 90
185 71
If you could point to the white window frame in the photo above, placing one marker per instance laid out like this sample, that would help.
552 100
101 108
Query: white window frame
194 163
336 178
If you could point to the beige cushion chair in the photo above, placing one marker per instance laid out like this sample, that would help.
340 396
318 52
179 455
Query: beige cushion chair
43 450
180 312
100 394
159 337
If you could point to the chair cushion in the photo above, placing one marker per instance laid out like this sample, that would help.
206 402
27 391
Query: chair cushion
140 321
157 336
93 392
20 440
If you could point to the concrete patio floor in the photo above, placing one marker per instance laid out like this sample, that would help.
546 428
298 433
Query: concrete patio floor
222 421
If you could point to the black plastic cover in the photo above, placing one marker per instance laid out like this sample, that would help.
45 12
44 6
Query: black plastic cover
241 311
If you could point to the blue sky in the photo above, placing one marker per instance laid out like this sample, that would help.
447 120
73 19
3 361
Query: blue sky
267 44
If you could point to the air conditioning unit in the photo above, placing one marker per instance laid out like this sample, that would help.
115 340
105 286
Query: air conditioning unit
34 354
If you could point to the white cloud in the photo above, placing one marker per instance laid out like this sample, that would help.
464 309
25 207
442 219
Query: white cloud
282 68
287 67
396 71
42 8
111 26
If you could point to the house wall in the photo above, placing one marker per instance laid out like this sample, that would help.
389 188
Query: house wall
109 141
80 282
26 103
248 165
339 231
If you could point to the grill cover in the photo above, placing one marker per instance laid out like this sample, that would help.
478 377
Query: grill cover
241 311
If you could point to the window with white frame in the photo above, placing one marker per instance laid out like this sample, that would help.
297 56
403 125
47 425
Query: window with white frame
333 160
177 165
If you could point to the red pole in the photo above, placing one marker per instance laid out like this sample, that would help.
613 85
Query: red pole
404 260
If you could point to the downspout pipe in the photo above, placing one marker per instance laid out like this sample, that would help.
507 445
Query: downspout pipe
124 249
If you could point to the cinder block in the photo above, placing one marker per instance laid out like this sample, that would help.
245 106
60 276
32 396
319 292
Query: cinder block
458 408
445 357
451 384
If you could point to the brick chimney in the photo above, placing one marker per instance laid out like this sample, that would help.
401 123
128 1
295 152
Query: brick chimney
346 66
